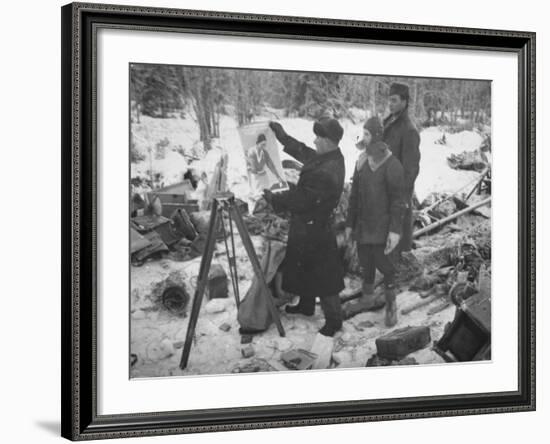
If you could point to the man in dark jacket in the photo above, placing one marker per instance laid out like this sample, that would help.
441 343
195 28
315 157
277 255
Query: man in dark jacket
401 135
375 218
312 266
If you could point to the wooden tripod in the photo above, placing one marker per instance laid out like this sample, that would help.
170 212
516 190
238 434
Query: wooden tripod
225 202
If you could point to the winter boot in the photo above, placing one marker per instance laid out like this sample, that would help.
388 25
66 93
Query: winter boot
305 307
391 306
333 315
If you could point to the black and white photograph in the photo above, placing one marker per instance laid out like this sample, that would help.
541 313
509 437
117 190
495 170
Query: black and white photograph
287 221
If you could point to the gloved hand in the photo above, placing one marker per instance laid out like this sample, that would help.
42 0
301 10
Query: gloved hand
277 128
391 242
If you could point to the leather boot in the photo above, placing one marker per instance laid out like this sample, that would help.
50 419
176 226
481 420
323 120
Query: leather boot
391 306
332 310
305 307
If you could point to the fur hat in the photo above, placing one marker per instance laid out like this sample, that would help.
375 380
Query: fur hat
400 89
329 128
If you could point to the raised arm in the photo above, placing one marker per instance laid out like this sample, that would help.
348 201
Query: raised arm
300 151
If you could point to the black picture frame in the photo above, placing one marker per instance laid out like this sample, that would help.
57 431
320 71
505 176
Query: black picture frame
80 22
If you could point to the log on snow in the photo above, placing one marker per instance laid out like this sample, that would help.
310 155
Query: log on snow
450 218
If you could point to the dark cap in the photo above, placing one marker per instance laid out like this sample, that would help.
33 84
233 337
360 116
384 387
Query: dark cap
374 125
329 128
400 89
261 138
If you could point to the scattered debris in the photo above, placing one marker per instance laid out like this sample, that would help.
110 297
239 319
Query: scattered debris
452 217
442 140
247 351
468 160
399 343
267 224
201 221
468 337
246 339
155 246
424 283
175 300
408 267
361 305
162 225
217 282
365 324
322 347
484 281
254 366
137 241
377 361
439 308
173 197
183 225
277 365
298 359
422 303
341 357
409 360
461 291
282 344
225 327
215 306
158 350
346 337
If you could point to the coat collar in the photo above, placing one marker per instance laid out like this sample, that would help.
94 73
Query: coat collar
394 118
321 158
375 164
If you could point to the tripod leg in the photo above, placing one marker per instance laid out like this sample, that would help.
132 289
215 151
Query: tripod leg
237 296
231 262
201 283
247 242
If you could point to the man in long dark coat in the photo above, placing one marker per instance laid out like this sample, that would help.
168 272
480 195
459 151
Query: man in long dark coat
403 139
312 266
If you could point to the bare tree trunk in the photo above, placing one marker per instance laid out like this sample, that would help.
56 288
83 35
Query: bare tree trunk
372 95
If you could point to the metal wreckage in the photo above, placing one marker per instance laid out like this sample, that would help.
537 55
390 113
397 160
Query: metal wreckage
450 267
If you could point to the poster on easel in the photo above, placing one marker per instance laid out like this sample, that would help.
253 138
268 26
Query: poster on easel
264 167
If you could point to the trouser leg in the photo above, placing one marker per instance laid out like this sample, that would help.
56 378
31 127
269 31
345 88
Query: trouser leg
384 264
386 267
368 268
367 262
306 306
332 310
391 305
369 299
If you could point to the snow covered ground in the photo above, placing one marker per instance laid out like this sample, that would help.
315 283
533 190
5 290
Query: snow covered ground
157 335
